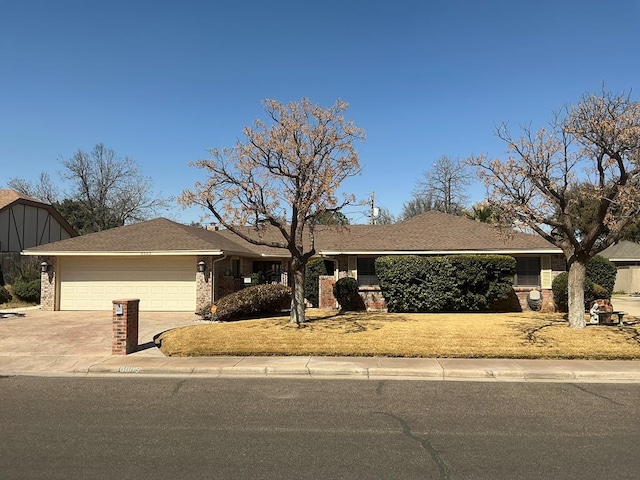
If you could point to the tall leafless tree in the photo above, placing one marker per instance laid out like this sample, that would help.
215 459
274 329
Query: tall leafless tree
445 183
284 175
596 143
104 191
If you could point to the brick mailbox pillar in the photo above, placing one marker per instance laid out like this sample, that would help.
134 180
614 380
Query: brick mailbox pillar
125 326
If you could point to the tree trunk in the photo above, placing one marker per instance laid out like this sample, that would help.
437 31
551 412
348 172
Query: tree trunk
297 298
577 273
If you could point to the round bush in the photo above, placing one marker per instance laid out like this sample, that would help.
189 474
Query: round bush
346 292
27 291
5 295
602 272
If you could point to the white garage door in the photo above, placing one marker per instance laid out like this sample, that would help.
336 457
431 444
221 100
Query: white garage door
161 283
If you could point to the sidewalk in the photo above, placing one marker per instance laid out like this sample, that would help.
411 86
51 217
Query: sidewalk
79 343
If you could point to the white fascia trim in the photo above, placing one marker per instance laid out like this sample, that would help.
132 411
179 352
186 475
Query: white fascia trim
174 253
442 252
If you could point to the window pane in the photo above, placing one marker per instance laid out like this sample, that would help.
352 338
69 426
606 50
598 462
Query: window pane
527 272
367 271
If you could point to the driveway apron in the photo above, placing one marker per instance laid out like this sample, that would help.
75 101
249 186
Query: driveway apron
37 341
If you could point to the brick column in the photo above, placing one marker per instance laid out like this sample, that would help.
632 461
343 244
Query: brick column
125 326
325 292
204 283
48 285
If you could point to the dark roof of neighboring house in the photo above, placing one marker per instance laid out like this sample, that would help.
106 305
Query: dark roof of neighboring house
432 232
623 251
158 235
9 198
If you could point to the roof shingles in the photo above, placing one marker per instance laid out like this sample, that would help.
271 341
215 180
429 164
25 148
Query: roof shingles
433 231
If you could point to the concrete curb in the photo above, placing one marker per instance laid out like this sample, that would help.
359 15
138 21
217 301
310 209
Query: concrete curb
494 370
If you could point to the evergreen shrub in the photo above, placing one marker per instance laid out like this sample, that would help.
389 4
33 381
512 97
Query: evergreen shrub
27 291
599 281
447 283
314 269
346 292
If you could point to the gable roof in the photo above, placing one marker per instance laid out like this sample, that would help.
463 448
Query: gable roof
153 237
623 251
9 198
430 233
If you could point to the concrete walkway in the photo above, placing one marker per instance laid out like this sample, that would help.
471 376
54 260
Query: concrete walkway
79 343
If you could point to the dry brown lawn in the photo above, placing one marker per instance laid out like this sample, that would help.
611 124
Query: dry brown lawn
481 335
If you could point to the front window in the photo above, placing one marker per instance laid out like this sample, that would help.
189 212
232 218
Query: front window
527 272
367 272
268 272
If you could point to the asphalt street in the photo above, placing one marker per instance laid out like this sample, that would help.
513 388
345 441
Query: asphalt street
164 428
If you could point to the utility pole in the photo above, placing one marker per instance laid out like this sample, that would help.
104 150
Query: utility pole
372 215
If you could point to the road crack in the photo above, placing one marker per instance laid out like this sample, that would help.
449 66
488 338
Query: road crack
424 442
604 397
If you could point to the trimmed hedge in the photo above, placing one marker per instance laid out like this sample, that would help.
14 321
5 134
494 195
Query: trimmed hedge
346 292
599 282
27 291
253 301
451 283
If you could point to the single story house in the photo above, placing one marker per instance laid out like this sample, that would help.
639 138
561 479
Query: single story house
174 267
626 257
26 222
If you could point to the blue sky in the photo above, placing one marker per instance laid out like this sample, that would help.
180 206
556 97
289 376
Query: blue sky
163 81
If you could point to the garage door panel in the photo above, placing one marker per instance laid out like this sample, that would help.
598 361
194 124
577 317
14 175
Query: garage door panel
161 283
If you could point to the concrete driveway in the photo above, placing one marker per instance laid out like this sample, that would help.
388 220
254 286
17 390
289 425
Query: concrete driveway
67 341
628 304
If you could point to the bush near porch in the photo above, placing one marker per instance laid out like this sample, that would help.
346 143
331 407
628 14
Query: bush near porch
453 283
253 301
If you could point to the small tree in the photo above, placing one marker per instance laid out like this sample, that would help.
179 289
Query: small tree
596 142
284 176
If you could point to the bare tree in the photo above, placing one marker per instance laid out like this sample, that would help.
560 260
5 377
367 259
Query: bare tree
44 190
595 142
106 191
285 175
112 188
445 184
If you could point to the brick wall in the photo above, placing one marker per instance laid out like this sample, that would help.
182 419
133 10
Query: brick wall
325 292
548 305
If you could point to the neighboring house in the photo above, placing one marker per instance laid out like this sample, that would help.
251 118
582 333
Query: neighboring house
626 257
26 222
170 266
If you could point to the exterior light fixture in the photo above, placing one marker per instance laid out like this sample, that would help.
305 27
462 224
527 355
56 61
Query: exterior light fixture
44 267
202 267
